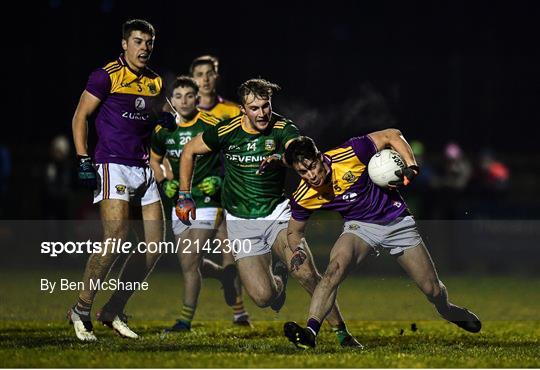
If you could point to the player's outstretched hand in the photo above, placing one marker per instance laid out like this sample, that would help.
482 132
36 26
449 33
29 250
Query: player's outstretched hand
406 176
185 206
270 161
210 185
299 256
166 120
87 172
170 187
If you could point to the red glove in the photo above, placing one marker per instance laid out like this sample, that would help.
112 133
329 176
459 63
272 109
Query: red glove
185 205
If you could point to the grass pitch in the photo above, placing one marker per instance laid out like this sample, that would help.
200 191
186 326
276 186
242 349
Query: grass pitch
379 311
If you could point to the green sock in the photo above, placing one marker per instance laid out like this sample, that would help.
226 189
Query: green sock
341 332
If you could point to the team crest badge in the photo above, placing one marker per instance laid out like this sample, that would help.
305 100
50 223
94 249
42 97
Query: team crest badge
349 177
152 88
353 227
270 145
120 189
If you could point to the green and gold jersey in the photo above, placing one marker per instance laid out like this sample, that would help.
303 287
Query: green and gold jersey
245 193
171 145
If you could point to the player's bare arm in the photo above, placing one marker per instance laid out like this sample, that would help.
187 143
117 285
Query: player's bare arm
195 147
393 138
155 163
297 243
88 104
167 169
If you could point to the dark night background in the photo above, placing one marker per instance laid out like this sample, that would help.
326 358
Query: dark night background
457 71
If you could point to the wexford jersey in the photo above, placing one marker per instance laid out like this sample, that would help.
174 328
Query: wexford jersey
351 193
171 144
223 109
123 121
246 194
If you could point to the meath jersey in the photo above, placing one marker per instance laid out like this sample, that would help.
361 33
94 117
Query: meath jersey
222 109
351 192
123 121
171 144
245 193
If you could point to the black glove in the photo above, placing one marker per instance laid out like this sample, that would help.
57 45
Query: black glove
406 176
87 172
166 120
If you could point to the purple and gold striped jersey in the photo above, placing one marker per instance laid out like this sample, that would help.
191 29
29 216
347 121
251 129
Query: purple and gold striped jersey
123 121
351 192
223 109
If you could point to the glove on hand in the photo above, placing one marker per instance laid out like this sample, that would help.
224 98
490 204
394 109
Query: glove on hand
170 187
185 206
210 185
406 175
87 172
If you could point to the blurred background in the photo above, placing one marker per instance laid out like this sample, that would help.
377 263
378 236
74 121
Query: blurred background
459 78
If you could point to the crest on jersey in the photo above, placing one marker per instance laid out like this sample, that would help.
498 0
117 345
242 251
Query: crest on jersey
349 177
120 189
270 145
140 104
152 88
353 227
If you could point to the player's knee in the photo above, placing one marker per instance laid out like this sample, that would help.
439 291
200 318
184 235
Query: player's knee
115 229
263 299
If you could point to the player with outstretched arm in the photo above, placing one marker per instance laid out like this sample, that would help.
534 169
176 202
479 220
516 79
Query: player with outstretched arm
253 196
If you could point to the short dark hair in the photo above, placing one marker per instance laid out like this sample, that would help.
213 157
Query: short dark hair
204 59
184 81
300 149
258 87
137 25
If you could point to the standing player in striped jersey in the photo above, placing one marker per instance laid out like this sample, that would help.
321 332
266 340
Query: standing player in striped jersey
253 196
207 192
125 94
375 218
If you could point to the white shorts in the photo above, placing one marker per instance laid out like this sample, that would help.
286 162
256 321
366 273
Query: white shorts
208 218
397 236
132 184
261 232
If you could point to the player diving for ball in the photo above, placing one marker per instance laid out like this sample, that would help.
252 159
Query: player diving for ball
375 218
206 192
253 196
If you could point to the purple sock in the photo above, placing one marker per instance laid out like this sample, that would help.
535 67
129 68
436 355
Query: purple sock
314 325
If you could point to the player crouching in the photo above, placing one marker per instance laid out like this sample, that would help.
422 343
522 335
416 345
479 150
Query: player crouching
375 218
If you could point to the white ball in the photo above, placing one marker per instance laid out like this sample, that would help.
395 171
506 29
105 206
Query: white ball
383 165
